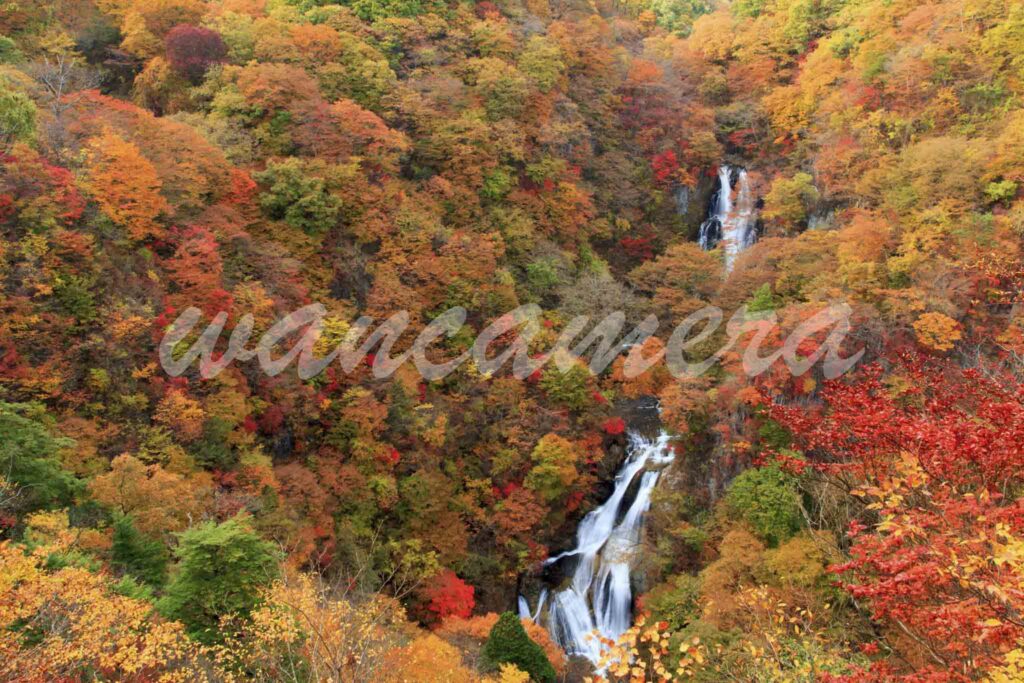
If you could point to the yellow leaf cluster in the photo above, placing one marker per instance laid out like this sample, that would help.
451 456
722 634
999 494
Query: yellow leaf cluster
937 332
53 625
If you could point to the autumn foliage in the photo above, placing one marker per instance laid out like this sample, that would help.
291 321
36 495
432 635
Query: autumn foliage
126 186
448 596
935 554
191 50
249 158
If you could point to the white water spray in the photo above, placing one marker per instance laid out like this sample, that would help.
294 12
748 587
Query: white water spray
599 597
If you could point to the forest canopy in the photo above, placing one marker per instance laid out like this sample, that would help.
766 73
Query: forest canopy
252 157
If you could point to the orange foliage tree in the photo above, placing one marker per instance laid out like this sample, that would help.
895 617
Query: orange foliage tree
125 186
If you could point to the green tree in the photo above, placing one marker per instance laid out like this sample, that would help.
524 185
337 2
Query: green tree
221 569
297 197
133 553
501 86
747 8
789 199
374 10
767 499
1003 45
567 388
1003 191
17 115
30 457
9 52
542 276
362 73
509 644
676 601
213 449
497 184
678 15
554 468
762 300
541 61
74 295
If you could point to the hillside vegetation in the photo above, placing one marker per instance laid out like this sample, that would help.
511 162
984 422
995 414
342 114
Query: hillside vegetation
377 156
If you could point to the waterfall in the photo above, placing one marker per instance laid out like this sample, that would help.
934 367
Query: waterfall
821 220
599 597
731 223
711 229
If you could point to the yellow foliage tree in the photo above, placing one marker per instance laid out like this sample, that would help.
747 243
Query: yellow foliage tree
510 673
146 22
427 659
61 625
182 414
158 501
937 332
339 640
638 655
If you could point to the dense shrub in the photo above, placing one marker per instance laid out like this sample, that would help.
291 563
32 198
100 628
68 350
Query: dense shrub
767 499
509 644
221 570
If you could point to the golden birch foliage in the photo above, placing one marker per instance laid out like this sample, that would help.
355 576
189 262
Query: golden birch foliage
638 656
427 659
786 642
783 643
1011 671
510 673
182 414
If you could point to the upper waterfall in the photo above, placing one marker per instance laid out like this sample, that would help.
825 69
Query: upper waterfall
599 597
732 219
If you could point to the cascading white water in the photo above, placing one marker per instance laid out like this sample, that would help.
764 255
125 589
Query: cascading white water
731 223
599 597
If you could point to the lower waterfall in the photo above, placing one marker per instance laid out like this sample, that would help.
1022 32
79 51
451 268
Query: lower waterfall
599 597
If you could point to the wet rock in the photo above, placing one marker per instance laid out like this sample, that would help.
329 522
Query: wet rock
694 209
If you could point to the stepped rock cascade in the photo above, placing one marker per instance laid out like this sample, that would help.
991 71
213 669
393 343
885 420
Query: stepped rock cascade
731 221
599 597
